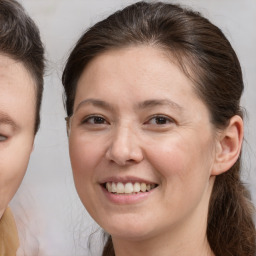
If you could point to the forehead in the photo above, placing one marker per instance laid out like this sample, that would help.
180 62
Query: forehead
137 68
17 90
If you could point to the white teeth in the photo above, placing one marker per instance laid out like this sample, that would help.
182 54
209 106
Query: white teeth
120 188
143 187
136 187
129 187
109 186
113 187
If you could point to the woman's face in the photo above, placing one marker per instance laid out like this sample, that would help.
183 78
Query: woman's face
138 125
17 120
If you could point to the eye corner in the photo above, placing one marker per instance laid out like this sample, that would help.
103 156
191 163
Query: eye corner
3 138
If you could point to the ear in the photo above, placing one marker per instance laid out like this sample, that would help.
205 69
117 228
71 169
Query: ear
228 146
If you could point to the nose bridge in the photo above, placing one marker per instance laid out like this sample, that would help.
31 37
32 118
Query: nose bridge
125 146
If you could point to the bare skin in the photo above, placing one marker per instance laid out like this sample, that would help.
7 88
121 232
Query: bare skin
17 118
137 118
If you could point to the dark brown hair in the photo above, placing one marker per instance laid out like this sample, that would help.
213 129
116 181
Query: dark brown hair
20 40
207 58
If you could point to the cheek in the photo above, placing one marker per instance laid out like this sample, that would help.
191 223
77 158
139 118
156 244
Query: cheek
84 155
169 162
184 169
13 164
181 160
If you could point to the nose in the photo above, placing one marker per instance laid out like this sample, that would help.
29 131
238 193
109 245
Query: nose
124 148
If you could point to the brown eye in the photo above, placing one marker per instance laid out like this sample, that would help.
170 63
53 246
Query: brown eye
95 120
2 138
160 120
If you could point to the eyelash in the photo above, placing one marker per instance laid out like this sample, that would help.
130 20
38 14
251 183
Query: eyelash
2 138
99 120
94 117
159 117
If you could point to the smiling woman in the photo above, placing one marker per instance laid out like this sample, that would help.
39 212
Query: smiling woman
21 85
155 134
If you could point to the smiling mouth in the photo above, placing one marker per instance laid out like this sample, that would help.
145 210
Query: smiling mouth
128 188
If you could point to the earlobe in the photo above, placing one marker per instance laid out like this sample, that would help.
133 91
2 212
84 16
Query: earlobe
228 146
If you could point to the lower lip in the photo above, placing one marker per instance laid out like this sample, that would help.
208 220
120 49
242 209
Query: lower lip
127 198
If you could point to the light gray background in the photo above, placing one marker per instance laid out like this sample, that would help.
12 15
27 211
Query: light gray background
47 204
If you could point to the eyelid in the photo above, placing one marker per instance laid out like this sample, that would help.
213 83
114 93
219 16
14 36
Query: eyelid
169 119
85 119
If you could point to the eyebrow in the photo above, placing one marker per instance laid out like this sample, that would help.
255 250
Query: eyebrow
159 102
142 105
6 119
94 102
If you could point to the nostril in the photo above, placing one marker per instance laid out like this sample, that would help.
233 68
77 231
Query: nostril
130 161
124 150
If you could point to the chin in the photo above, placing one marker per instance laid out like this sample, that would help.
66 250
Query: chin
129 230
130 235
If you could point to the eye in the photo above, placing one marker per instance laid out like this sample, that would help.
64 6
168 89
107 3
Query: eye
93 119
160 120
2 138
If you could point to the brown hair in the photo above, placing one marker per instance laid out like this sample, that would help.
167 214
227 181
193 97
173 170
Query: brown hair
20 40
206 57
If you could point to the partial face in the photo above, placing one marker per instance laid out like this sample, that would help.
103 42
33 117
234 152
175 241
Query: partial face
17 120
141 145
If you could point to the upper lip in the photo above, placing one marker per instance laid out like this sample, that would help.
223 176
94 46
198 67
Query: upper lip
126 179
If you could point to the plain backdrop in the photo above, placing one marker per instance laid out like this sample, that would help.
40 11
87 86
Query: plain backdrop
46 205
